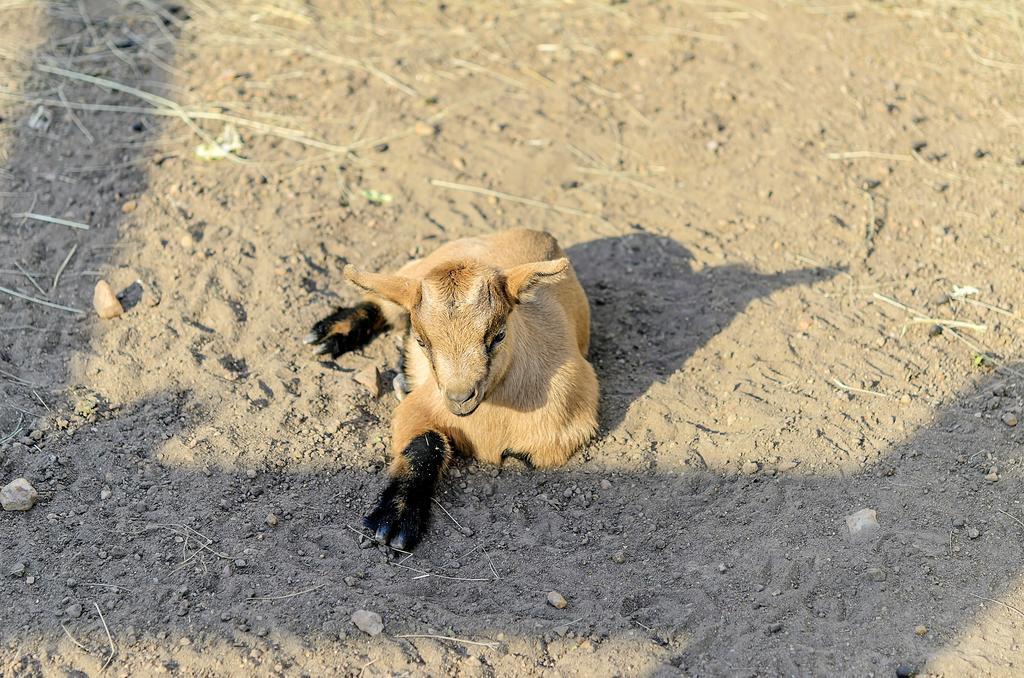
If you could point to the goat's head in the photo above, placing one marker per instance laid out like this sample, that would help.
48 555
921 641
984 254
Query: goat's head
459 314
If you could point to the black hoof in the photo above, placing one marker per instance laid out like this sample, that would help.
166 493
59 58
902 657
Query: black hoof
398 520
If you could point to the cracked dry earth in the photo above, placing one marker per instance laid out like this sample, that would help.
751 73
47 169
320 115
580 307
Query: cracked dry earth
769 205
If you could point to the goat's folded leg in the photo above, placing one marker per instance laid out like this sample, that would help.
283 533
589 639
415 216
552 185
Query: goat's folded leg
347 329
401 514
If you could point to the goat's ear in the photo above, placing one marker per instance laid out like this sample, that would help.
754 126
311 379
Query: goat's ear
522 280
399 289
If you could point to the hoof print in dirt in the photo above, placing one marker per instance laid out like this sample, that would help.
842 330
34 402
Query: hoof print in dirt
400 518
347 329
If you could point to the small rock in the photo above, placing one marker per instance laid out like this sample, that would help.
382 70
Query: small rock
105 493
750 468
1010 419
369 377
606 484
30 579
350 581
74 611
876 574
921 630
424 129
722 567
18 495
862 525
271 520
240 563
615 55
992 477
17 570
557 600
105 301
973 533
774 627
129 206
619 557
906 671
368 622
250 474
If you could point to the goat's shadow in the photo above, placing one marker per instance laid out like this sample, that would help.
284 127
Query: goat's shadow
651 310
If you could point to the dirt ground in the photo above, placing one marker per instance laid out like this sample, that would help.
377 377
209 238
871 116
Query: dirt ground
769 205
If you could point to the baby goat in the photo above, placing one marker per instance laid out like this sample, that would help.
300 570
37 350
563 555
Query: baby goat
494 363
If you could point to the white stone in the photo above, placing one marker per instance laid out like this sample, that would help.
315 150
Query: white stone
863 525
368 622
18 495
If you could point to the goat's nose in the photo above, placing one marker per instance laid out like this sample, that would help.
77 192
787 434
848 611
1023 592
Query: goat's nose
461 395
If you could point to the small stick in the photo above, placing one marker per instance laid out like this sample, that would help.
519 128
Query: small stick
492 646
41 302
963 324
31 279
109 638
1011 517
73 115
854 155
514 198
83 648
16 431
990 307
51 220
425 573
457 524
844 387
998 602
289 595
64 264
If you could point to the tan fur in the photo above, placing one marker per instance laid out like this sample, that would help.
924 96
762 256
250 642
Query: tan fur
536 393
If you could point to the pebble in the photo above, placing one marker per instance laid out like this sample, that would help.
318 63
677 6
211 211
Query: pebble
606 484
368 622
18 495
74 611
750 468
921 630
862 525
424 129
30 579
774 627
17 570
129 206
369 377
271 520
973 533
250 474
906 671
350 581
105 493
615 55
557 600
619 557
876 574
1010 419
105 301
240 563
992 477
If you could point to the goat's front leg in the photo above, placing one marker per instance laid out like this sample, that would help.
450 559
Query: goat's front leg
423 452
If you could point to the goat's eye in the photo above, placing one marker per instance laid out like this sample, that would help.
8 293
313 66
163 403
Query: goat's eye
498 337
419 340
